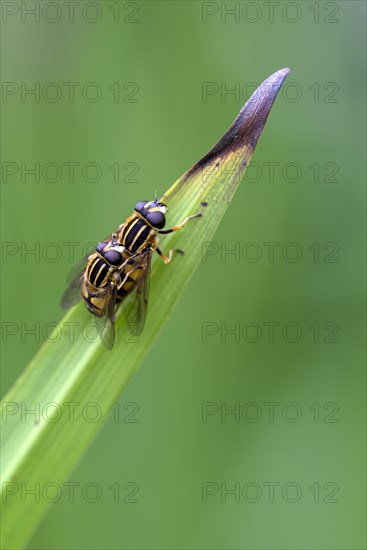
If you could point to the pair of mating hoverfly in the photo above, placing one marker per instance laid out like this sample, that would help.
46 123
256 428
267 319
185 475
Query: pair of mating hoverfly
120 265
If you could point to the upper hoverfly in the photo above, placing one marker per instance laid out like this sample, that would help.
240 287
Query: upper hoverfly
120 265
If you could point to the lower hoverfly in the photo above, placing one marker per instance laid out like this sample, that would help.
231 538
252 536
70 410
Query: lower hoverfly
120 265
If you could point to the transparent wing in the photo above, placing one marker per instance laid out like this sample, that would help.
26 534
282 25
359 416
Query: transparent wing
77 269
108 319
138 312
72 294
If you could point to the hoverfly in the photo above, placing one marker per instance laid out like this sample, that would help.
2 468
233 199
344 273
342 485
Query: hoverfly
120 265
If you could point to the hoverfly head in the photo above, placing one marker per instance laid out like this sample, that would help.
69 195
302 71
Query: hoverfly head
153 211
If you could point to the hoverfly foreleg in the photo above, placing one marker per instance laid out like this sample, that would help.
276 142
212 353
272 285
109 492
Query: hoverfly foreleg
177 227
124 277
168 258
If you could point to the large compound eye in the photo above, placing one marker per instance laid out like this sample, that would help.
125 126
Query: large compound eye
101 246
140 205
113 257
156 219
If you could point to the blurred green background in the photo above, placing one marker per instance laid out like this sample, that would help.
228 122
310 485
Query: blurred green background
175 64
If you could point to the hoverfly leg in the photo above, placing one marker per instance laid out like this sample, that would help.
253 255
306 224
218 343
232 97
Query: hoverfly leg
177 227
168 258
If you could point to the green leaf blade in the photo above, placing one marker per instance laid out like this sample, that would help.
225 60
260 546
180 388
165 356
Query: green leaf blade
81 372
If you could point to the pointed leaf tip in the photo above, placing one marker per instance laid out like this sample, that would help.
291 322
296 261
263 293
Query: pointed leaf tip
246 129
